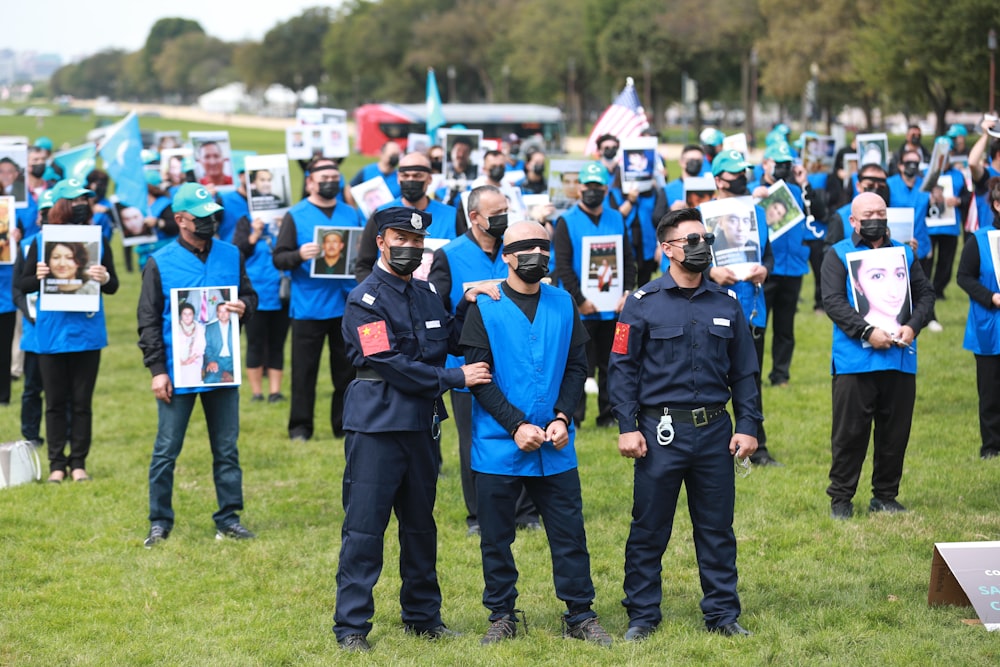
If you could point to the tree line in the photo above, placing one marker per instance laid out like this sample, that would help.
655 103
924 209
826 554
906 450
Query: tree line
897 55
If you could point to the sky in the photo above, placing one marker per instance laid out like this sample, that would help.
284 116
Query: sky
55 26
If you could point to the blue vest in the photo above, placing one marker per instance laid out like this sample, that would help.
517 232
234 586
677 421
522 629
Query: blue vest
983 207
59 331
579 224
29 341
27 218
529 361
845 219
180 268
675 191
6 283
319 298
264 277
234 207
370 171
902 195
851 355
442 217
643 208
982 328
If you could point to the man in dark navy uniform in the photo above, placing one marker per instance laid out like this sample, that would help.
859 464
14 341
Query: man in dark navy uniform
681 350
398 335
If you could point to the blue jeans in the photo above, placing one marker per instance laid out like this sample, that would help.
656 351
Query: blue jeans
222 415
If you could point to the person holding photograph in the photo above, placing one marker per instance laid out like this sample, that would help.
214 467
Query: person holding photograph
317 304
189 346
69 343
691 162
8 307
194 261
262 190
68 264
977 275
881 291
944 238
534 181
385 168
874 370
219 365
213 164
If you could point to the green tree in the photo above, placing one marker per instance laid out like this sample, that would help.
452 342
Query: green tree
98 75
162 32
193 64
292 51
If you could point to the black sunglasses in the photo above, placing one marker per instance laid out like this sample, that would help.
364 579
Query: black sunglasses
695 239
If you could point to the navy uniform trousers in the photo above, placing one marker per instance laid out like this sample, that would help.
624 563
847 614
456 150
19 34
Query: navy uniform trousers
399 470
700 458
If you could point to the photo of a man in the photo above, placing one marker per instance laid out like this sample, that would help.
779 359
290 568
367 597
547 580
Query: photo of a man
333 261
212 153
219 347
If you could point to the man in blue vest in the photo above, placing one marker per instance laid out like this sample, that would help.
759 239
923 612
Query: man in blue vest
874 370
195 260
398 336
317 305
588 218
385 168
531 336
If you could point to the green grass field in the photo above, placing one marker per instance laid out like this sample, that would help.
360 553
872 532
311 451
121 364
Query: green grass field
79 589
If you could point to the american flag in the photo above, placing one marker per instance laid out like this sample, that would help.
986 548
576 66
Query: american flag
625 118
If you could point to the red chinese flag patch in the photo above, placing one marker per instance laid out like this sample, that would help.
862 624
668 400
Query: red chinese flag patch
620 345
373 337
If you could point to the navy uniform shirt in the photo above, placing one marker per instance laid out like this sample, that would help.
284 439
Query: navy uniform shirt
675 351
398 332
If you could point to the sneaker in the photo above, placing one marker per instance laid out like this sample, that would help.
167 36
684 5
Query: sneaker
355 644
935 326
257 398
437 632
235 531
503 628
156 535
890 506
639 633
276 398
988 454
590 386
589 630
473 531
841 508
764 459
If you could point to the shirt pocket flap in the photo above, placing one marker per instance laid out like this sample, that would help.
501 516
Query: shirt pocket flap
666 332
720 331
438 333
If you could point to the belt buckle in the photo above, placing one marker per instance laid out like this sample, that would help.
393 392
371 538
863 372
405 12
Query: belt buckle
700 417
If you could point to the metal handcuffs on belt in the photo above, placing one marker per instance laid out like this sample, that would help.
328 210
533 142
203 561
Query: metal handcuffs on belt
665 429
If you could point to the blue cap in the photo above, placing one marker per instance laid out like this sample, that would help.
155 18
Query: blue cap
594 172
779 151
70 188
729 162
148 156
153 176
957 130
944 140
193 198
711 137
44 143
404 219
46 200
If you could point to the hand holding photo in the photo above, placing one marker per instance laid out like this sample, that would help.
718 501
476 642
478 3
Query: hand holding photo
69 253
205 341
737 240
781 210
880 287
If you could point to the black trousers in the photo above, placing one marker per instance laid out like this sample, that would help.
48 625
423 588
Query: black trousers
7 323
817 249
602 335
308 339
69 378
988 384
781 294
945 248
266 333
758 347
31 398
885 397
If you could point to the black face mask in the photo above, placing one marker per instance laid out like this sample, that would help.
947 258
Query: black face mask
539 169
592 198
204 228
782 171
393 161
911 169
697 258
873 229
328 189
413 191
497 225
80 214
609 153
737 186
38 170
496 173
532 266
437 166
693 167
404 259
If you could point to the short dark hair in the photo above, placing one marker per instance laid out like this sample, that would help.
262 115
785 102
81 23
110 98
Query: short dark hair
607 137
477 194
493 154
994 148
185 306
869 167
692 147
672 219
993 187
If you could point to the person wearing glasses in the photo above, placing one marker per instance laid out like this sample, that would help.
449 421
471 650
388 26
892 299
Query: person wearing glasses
682 349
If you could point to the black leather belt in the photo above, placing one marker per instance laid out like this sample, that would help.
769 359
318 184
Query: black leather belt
698 416
368 374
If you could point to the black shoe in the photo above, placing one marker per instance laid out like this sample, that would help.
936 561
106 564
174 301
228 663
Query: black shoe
257 398
355 644
987 454
733 629
298 437
639 633
764 459
473 530
276 398
234 531
841 508
431 634
605 422
503 628
889 506
530 526
589 630
156 535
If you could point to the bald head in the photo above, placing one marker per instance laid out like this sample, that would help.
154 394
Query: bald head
524 230
866 206
414 160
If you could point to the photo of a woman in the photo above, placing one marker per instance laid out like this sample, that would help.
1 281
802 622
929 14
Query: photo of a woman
881 284
68 264
189 346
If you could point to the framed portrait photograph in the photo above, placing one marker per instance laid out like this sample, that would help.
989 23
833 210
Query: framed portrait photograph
430 245
638 163
269 189
175 166
601 262
698 190
371 194
564 184
939 214
213 159
880 286
900 221
166 140
873 149
135 231
8 221
418 143
736 142
69 251
205 337
463 154
781 210
13 170
338 252
320 116
818 153
737 239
